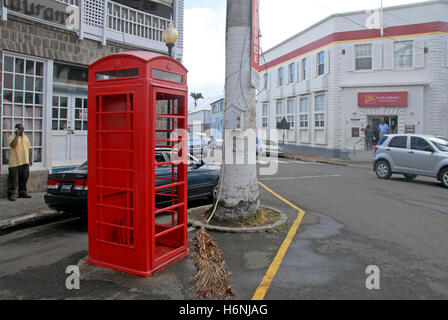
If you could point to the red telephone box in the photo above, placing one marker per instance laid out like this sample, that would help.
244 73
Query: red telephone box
137 104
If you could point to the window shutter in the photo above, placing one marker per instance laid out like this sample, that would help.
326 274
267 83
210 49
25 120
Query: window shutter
350 58
313 65
389 55
377 56
308 70
327 61
419 53
299 71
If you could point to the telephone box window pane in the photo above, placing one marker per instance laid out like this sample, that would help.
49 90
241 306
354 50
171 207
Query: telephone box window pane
164 75
117 74
7 84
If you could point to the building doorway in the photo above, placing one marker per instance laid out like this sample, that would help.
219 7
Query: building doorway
392 121
69 130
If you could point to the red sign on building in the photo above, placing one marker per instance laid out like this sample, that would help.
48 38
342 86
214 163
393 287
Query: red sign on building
383 99
256 34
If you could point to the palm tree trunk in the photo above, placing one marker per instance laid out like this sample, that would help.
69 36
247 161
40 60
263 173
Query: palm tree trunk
239 196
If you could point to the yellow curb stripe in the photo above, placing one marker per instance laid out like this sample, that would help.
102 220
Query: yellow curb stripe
263 288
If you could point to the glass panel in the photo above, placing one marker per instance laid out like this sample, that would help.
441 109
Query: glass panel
77 125
39 69
38 139
7 96
29 111
38 98
63 102
30 67
37 124
63 113
7 110
54 125
18 82
78 103
62 125
18 111
55 101
116 74
7 124
8 82
29 84
39 84
55 113
19 65
5 157
9 64
85 103
28 97
84 125
38 112
18 96
28 125
37 155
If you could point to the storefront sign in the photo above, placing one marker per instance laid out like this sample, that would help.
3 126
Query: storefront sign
46 10
383 99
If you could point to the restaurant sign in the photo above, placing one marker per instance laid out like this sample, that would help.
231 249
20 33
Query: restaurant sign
383 99
55 12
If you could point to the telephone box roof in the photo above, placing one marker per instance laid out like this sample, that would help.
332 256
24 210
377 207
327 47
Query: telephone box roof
144 56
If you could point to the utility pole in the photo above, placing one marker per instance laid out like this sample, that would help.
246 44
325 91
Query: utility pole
239 195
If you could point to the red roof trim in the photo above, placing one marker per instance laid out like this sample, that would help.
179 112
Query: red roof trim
359 35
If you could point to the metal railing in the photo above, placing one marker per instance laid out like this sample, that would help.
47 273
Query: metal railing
104 20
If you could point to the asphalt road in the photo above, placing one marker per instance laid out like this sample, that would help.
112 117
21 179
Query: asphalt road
353 220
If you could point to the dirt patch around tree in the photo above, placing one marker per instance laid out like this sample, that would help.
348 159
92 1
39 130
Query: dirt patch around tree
265 217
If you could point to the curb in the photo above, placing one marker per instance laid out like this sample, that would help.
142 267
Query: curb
31 219
282 221
317 160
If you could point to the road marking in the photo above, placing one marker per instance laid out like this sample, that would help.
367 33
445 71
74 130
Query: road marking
303 177
263 288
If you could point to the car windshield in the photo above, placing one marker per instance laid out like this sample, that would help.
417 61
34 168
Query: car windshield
83 166
440 143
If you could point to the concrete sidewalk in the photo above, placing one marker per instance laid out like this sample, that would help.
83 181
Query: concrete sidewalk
23 212
334 161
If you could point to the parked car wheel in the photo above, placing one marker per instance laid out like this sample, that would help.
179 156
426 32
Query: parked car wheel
382 169
444 178
409 176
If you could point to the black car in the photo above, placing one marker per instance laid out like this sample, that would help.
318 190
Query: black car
67 191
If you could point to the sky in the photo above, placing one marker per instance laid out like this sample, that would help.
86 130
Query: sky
204 32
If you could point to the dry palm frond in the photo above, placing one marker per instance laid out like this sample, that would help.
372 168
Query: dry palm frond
211 279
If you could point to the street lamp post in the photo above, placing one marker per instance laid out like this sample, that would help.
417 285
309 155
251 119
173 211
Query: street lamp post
170 36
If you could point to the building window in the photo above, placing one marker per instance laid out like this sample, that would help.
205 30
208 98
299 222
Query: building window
292 72
22 102
320 63
279 111
304 68
290 109
281 79
303 111
363 56
264 115
319 111
266 80
403 54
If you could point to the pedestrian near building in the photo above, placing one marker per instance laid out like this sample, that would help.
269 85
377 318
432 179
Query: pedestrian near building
383 128
369 138
19 163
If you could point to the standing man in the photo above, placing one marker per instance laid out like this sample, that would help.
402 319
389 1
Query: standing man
20 161
383 128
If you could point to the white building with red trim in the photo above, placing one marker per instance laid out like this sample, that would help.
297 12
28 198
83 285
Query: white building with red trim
333 79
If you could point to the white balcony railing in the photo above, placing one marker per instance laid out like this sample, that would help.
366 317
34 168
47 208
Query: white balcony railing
103 20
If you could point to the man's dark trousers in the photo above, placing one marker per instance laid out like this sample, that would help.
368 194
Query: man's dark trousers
18 176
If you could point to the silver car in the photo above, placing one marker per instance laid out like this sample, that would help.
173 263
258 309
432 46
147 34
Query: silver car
412 155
